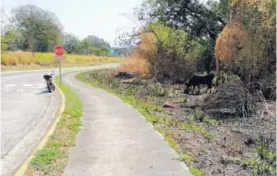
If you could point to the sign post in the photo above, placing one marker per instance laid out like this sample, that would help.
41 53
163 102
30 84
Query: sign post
59 51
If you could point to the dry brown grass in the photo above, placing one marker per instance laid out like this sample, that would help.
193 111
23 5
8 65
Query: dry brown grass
135 63
18 59
138 58
230 41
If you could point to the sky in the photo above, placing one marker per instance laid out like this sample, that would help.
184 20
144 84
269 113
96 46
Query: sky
103 18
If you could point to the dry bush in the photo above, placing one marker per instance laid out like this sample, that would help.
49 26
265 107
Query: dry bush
137 60
170 60
247 45
229 44
148 42
266 84
179 70
248 40
161 54
163 48
135 63
234 98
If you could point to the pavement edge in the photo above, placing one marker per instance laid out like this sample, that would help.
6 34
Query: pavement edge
24 166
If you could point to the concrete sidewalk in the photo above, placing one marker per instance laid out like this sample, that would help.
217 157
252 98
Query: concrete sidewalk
115 140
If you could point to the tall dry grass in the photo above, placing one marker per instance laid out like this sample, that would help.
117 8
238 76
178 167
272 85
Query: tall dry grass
16 58
135 62
138 59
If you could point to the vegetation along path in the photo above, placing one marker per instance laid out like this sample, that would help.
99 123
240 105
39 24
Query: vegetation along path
116 140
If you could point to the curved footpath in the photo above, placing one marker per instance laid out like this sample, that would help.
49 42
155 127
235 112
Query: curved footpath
115 140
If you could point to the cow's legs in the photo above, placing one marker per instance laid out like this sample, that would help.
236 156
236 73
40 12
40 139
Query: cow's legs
207 89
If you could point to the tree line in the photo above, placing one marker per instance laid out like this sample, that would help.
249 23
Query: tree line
31 28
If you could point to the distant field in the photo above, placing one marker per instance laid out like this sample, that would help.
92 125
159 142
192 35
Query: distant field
20 60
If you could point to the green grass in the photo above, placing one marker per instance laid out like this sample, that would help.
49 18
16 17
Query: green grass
263 160
187 158
53 157
209 120
194 127
161 123
196 172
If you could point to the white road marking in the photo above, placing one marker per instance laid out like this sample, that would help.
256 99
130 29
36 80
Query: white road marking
10 85
39 86
22 88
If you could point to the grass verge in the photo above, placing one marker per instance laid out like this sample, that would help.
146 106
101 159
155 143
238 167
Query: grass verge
161 123
53 157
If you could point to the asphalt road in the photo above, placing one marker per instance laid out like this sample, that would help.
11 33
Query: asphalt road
27 112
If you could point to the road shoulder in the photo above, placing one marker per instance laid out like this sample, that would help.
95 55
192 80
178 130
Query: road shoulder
19 154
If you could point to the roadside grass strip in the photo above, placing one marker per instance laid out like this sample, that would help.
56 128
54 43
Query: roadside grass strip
160 123
53 157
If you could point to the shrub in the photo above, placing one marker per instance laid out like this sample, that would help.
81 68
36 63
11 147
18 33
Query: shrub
233 98
163 53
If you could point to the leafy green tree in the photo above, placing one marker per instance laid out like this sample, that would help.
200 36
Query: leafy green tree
40 29
34 29
196 18
201 21
100 51
89 45
71 43
97 42
95 45
85 44
9 40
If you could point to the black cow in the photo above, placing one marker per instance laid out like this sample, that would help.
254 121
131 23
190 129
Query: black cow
197 80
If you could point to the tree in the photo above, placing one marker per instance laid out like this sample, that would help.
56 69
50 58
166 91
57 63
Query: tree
9 40
201 21
196 18
71 43
95 45
85 44
40 29
97 42
100 51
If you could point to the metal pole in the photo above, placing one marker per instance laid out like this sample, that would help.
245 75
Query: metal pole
60 73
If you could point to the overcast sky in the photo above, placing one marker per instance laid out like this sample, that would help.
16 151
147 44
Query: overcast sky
103 18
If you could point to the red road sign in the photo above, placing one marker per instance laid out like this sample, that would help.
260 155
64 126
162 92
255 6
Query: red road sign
59 50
